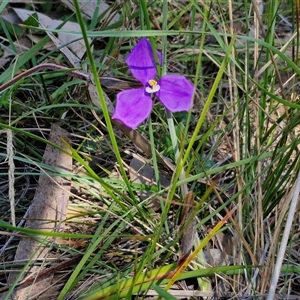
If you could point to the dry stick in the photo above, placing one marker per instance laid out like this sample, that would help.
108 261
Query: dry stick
45 66
108 82
285 238
11 174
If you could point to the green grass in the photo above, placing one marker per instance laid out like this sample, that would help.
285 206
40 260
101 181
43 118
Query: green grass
238 148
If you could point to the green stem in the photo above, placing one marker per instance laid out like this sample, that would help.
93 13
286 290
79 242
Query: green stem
102 99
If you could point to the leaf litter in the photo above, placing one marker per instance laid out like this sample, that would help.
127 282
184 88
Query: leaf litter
143 144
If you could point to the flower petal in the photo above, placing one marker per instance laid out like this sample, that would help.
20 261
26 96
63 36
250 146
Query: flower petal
133 107
176 92
141 61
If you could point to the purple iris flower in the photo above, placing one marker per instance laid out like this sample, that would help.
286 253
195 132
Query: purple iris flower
174 91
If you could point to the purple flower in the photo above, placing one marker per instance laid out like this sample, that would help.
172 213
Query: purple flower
135 105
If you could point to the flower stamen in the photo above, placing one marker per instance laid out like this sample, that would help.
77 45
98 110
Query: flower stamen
153 86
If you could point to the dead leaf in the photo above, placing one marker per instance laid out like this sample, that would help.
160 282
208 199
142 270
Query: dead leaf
88 8
47 211
5 57
37 38
64 42
143 173
10 17
73 59
216 258
117 84
186 227
25 14
95 98
230 244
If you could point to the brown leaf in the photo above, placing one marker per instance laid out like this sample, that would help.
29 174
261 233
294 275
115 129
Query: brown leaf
143 173
75 48
48 209
95 98
186 227
88 8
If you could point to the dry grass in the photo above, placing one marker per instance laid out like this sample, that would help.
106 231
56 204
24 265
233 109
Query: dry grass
239 145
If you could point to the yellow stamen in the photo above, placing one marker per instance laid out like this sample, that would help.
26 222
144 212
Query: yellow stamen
152 82
153 86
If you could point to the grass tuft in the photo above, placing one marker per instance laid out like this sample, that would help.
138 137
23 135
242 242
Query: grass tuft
237 150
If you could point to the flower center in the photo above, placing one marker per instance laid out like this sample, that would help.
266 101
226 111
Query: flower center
153 86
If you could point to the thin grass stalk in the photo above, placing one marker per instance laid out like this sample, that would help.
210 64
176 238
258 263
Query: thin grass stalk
285 238
8 36
102 99
209 100
171 126
234 100
259 121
